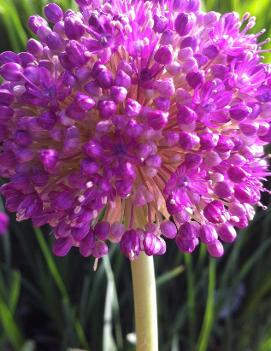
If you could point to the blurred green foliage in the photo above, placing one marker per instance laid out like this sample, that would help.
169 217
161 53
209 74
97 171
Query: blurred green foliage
47 303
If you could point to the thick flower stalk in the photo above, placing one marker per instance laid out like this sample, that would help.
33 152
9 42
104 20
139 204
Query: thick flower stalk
133 122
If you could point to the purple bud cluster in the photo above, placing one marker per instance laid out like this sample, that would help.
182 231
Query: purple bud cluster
135 122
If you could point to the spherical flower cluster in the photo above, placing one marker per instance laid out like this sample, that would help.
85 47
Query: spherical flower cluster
133 122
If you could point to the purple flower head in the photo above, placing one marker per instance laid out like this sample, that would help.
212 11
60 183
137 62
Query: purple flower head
131 121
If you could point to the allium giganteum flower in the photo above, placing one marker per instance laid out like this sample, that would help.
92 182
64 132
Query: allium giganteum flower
133 122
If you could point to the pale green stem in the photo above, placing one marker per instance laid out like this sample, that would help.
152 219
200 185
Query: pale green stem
145 303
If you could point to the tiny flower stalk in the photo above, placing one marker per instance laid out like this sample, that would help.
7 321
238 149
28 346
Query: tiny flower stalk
144 288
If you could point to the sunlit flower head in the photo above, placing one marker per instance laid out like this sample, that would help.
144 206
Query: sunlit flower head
136 122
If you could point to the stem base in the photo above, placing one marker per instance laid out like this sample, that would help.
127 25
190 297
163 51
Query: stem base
145 303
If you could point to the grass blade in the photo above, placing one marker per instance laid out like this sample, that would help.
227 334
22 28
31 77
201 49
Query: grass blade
191 292
166 277
51 263
60 284
12 332
209 311
114 300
